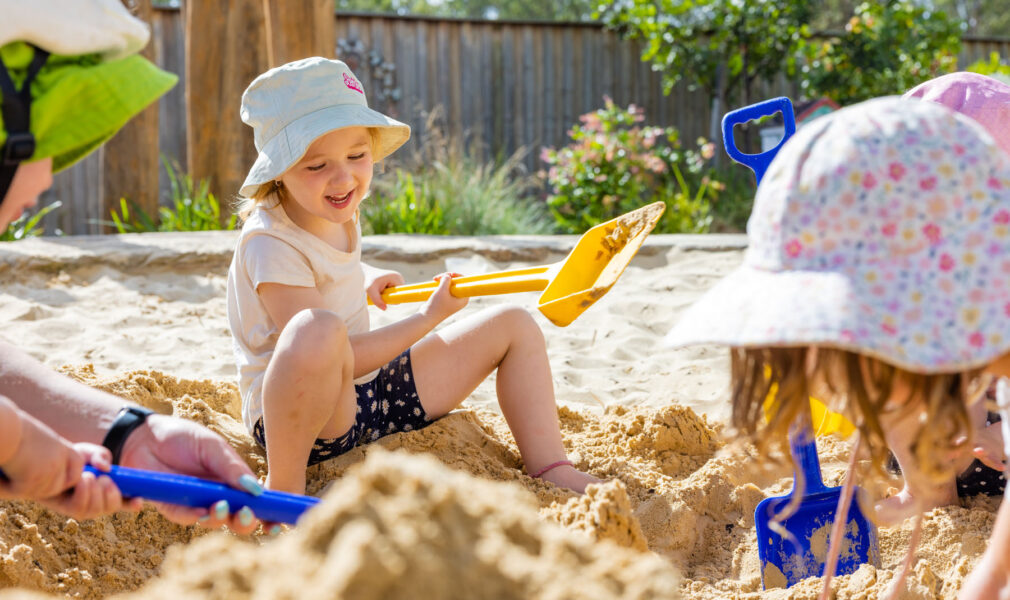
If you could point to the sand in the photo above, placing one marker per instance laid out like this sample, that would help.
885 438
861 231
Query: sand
445 512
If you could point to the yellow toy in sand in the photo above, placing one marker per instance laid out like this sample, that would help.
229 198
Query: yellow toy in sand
825 421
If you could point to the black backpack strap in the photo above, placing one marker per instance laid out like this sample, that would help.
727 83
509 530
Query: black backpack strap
16 109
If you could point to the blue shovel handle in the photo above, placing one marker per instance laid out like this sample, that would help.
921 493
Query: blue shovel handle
804 447
183 490
758 162
279 507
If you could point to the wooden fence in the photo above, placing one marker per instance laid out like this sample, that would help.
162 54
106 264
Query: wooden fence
500 86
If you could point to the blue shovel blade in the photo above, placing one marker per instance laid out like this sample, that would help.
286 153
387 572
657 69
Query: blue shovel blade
787 561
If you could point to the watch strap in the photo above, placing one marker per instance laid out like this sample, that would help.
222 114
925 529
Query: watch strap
128 419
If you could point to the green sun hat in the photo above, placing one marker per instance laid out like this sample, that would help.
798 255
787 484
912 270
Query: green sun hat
79 102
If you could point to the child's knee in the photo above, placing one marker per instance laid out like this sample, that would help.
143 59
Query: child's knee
518 322
315 337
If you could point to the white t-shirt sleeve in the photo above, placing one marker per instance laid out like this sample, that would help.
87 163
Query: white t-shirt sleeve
268 259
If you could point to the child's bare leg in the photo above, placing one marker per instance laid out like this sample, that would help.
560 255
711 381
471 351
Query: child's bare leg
449 365
308 393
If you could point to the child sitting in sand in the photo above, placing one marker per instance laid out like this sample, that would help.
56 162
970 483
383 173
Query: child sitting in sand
315 380
874 279
987 101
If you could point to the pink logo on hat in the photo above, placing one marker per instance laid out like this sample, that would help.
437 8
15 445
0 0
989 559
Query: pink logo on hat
353 84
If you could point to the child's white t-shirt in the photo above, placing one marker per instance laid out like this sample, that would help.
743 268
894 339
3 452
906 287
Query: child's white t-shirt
272 249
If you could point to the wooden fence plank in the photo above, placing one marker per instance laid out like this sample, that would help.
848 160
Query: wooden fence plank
131 160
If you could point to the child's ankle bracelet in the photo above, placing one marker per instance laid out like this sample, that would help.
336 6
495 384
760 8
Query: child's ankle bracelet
553 465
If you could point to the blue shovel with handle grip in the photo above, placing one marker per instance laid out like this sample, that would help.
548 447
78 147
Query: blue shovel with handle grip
171 488
795 547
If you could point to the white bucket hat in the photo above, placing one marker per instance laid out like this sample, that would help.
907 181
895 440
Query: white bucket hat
292 105
883 228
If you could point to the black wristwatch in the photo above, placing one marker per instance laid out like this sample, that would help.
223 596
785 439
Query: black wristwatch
128 419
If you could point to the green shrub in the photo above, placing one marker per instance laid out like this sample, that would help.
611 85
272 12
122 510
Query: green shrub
614 164
27 226
994 67
441 189
194 208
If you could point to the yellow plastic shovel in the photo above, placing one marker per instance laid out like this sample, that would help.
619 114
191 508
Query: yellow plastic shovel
570 286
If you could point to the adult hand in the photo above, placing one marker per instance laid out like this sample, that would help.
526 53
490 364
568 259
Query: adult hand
45 467
174 445
441 304
378 280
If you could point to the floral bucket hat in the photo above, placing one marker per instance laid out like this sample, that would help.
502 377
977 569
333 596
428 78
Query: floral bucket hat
982 98
883 228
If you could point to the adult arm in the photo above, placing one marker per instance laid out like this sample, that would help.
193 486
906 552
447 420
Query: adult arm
81 413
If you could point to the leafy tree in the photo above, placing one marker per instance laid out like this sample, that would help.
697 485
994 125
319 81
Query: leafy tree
886 48
722 46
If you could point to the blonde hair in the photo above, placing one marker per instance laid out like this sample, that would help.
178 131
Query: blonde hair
858 387
275 193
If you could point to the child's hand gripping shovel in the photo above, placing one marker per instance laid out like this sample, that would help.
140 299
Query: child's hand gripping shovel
278 507
825 421
796 547
570 286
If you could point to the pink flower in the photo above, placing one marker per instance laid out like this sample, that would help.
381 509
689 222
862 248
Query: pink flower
896 170
976 339
889 230
869 181
888 328
927 183
994 184
958 149
932 232
1002 217
1006 309
793 248
946 262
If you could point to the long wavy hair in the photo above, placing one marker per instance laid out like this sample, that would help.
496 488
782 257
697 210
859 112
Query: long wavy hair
770 387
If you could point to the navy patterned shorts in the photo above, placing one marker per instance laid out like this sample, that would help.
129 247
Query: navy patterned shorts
980 478
386 404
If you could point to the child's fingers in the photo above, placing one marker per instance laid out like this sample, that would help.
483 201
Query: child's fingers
989 459
375 294
97 456
92 497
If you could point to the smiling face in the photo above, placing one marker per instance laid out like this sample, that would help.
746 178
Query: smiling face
30 180
326 186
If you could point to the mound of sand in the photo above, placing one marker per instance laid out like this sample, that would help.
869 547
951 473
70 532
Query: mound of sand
465 521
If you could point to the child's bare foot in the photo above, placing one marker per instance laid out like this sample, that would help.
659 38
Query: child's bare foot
567 476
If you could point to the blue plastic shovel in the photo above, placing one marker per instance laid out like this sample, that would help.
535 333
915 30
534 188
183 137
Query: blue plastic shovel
796 547
278 507
802 551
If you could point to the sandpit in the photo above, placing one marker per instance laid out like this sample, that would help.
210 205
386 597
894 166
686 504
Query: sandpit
445 512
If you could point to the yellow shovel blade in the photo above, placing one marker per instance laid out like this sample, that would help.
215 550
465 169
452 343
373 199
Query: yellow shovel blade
570 286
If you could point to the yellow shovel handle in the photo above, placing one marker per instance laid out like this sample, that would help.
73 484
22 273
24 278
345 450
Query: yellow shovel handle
530 279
